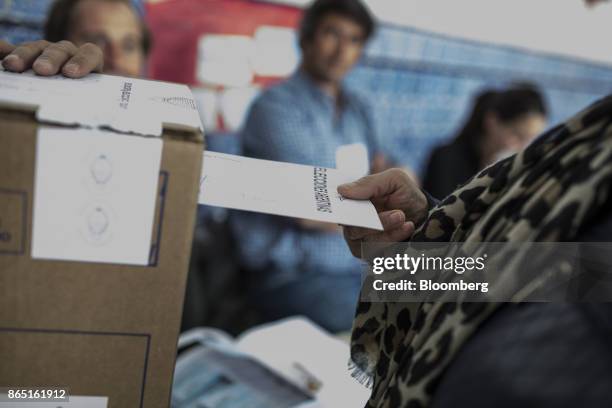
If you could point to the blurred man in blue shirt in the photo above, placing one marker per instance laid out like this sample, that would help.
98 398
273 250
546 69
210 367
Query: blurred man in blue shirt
303 267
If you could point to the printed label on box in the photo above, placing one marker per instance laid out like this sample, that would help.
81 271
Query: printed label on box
94 196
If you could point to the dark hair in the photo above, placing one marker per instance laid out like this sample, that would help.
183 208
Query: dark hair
352 9
60 20
508 105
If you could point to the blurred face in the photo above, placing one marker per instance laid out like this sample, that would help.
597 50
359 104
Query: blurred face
334 49
514 135
115 28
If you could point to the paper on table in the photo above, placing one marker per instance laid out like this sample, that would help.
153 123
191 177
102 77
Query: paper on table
94 196
296 341
287 189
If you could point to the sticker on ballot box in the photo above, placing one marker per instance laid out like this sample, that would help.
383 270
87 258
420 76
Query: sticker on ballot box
94 196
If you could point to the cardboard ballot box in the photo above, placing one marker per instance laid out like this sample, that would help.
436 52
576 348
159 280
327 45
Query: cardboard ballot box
98 191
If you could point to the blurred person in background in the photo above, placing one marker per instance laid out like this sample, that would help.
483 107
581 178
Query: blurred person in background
303 267
501 123
113 25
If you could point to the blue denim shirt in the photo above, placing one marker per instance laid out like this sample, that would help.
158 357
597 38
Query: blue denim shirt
297 122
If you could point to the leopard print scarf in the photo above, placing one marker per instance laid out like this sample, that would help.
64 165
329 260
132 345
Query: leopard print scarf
545 193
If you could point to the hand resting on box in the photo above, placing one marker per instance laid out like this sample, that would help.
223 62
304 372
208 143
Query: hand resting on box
46 58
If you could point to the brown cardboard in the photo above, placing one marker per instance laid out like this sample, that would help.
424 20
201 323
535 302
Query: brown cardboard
98 329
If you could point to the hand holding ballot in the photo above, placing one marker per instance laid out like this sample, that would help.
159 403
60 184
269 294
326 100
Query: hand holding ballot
399 201
47 58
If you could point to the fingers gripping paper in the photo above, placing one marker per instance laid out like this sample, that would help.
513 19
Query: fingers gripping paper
287 189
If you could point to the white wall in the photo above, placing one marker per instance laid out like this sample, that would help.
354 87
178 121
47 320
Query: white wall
566 27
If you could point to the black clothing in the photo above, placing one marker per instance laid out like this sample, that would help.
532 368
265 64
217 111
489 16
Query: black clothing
450 166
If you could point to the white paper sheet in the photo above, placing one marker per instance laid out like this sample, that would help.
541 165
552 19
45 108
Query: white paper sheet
286 189
94 196
74 401
296 347
353 159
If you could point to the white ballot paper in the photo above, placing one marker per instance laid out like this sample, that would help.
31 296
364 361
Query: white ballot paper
278 188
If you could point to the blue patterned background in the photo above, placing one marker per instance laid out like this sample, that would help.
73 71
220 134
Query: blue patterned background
423 84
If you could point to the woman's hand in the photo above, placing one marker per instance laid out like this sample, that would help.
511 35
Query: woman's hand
399 201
